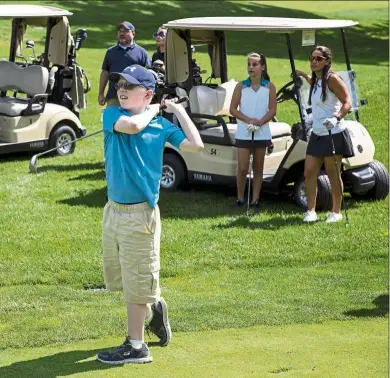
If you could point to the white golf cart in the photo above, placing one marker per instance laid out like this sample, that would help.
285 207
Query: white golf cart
41 97
209 104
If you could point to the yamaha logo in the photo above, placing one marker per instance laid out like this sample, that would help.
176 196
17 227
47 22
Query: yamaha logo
202 177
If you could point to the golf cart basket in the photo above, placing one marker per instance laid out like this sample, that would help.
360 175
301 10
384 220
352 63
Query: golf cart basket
68 82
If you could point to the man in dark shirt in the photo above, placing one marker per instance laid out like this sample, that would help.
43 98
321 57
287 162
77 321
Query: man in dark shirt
125 53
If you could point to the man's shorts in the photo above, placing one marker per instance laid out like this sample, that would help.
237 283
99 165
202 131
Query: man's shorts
131 250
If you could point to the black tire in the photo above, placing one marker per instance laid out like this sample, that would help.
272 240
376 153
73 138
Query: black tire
324 192
62 135
174 173
381 189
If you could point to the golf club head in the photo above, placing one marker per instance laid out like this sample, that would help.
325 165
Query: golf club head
33 166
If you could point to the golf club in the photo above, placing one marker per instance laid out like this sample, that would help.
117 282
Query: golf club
33 166
339 178
250 176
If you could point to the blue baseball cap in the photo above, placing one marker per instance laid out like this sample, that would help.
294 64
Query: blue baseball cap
137 75
127 25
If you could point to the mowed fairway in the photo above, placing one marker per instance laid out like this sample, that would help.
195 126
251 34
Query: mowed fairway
263 297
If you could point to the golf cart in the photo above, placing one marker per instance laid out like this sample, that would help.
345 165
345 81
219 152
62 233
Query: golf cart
41 96
208 106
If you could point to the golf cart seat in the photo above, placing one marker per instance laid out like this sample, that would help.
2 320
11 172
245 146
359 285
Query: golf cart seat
31 80
212 101
216 102
278 130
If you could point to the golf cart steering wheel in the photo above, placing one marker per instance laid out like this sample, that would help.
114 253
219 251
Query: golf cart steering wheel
286 93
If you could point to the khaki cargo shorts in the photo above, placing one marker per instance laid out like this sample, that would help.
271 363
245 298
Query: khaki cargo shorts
131 250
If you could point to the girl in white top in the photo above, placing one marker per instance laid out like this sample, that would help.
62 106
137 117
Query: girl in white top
330 102
253 105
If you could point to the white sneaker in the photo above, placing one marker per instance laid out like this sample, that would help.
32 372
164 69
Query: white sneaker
334 217
310 216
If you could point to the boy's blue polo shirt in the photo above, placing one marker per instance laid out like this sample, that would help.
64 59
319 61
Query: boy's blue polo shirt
134 161
118 58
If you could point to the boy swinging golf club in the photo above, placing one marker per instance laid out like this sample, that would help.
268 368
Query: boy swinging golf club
134 141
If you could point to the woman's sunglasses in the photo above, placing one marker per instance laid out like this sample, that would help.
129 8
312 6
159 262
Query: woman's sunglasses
126 86
317 58
159 34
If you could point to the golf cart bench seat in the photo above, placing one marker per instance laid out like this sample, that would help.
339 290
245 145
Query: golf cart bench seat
216 102
31 80
278 130
212 101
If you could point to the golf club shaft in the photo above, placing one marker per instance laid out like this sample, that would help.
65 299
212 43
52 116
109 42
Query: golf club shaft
339 177
162 107
250 174
68 143
34 159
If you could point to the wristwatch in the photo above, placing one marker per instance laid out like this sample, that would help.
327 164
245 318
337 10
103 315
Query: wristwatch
338 119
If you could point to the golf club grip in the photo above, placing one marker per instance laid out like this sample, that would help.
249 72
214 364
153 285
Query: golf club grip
179 101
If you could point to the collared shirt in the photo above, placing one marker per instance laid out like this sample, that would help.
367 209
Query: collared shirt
117 58
134 161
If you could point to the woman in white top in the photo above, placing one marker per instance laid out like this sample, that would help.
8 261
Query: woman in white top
330 102
253 105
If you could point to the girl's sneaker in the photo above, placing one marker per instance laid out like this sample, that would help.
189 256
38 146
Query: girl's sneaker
334 217
310 216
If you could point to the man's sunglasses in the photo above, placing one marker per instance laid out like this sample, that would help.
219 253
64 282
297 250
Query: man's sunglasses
159 34
317 58
126 86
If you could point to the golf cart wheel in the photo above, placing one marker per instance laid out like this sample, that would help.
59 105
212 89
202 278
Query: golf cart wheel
381 189
64 134
173 173
324 192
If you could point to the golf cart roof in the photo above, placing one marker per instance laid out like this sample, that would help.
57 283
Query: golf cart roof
33 11
274 24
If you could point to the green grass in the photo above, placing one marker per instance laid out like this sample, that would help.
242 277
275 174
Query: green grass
219 270
330 350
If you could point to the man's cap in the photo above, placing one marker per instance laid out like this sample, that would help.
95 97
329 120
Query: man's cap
128 25
137 75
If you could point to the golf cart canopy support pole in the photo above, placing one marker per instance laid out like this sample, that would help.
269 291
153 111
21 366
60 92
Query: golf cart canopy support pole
295 78
223 55
188 83
348 62
13 47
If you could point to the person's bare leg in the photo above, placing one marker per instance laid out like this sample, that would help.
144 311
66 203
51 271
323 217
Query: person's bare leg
258 168
243 155
335 181
312 168
136 314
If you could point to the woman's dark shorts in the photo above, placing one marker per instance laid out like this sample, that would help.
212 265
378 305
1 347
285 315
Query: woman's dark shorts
244 143
322 145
